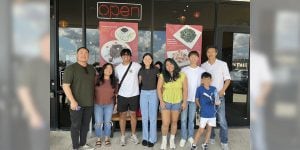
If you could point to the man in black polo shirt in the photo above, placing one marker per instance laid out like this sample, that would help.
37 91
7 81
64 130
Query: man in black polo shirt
78 85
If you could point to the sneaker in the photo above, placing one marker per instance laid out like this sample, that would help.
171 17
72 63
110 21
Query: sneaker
144 143
182 142
163 144
224 146
204 146
172 144
134 139
86 147
150 144
212 141
191 140
194 147
122 142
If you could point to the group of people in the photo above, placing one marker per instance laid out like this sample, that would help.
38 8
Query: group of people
175 92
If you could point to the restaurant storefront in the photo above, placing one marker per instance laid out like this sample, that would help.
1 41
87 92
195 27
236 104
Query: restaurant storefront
223 23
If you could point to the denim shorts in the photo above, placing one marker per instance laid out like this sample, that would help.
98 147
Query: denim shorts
172 107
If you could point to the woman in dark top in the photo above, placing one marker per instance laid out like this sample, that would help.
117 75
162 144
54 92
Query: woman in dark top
148 99
105 94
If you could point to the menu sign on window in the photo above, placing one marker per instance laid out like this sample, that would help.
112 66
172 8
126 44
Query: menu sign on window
121 11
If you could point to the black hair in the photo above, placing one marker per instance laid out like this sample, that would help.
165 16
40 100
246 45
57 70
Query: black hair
167 76
193 53
211 46
113 79
151 65
125 51
205 75
83 48
160 65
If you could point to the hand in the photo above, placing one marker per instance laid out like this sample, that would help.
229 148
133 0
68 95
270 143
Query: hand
183 105
74 105
162 105
222 93
217 103
36 121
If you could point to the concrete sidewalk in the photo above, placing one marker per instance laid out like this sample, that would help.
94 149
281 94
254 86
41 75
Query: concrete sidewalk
239 139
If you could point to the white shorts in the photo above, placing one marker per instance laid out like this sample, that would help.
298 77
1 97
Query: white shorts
210 121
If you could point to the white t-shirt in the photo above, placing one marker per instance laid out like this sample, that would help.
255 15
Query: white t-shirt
130 85
219 71
194 80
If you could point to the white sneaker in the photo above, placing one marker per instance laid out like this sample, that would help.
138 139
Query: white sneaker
224 146
212 141
191 140
86 147
122 141
163 145
172 144
134 139
182 142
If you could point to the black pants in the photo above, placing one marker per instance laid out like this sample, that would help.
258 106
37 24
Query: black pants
80 121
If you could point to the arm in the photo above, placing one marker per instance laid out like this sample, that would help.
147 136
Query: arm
69 94
185 93
27 103
197 102
159 91
226 85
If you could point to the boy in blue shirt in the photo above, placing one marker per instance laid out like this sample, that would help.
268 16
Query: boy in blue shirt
206 99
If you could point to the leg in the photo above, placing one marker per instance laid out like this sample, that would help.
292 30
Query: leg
208 132
98 113
165 116
183 121
191 114
174 120
223 123
133 107
108 110
86 118
198 135
75 117
145 115
153 106
133 121
122 122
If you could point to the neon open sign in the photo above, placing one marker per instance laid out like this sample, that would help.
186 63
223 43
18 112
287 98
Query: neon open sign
122 11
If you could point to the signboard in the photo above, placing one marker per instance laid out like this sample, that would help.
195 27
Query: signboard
115 36
121 11
180 40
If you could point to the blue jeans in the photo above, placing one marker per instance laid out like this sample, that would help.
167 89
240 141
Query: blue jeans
149 107
221 118
189 112
103 114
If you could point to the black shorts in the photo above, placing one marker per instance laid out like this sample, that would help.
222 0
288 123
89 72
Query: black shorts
125 102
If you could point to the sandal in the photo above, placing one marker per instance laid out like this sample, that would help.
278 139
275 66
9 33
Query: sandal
98 143
107 142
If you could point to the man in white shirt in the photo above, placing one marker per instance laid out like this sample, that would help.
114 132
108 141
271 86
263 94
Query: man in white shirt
128 95
193 73
221 80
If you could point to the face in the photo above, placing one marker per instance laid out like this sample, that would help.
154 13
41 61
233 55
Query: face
206 81
108 70
126 58
147 60
193 59
169 66
211 53
158 66
83 55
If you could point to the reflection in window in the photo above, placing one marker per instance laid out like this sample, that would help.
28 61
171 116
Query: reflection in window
144 45
159 45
